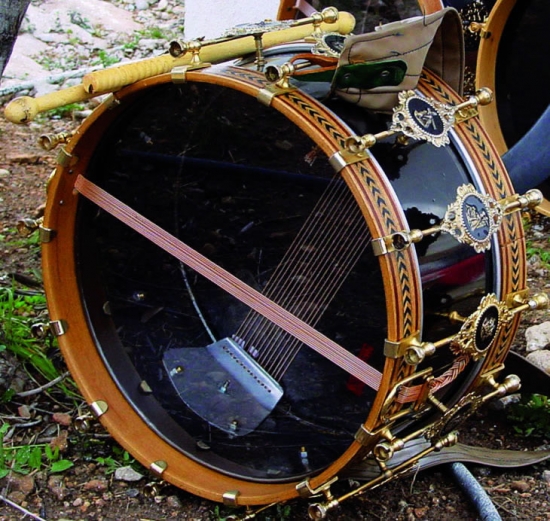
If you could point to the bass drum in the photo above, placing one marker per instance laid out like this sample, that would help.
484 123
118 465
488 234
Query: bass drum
512 60
249 187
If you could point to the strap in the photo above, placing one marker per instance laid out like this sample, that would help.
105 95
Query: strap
369 469
534 381
234 286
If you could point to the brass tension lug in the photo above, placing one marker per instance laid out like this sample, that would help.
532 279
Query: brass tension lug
468 108
479 28
179 48
511 384
411 348
27 226
385 450
328 15
529 200
519 302
398 241
415 354
50 141
319 510
280 74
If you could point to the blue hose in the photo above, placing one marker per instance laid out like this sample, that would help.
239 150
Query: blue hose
475 492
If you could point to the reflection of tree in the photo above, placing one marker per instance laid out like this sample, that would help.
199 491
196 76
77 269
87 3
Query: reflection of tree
11 16
422 221
370 13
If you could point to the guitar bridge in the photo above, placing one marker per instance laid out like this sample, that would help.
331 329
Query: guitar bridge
224 385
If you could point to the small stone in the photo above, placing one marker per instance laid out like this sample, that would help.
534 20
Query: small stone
20 483
537 337
132 492
60 442
503 403
4 172
141 5
62 418
127 474
420 512
56 485
546 477
98 485
541 359
17 497
174 502
24 411
520 486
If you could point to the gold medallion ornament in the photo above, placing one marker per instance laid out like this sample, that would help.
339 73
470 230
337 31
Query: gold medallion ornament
473 218
423 118
479 331
329 44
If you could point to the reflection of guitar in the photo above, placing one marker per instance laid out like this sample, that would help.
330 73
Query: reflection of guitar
233 383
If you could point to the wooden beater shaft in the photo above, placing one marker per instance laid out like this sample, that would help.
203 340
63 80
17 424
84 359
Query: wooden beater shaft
25 108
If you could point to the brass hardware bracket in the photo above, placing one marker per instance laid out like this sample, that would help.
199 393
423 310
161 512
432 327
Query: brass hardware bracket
158 467
58 327
99 408
320 510
179 74
65 159
230 498
305 491
343 158
46 235
265 96
399 348
390 398
421 118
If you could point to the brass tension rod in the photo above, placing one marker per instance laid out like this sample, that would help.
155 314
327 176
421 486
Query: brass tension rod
461 112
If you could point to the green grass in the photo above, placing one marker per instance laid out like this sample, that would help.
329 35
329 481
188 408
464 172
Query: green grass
25 459
18 313
543 253
531 416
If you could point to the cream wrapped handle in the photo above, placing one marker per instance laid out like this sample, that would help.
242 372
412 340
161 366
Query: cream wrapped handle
25 108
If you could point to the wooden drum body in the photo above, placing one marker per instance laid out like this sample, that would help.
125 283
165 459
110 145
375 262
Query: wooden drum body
253 188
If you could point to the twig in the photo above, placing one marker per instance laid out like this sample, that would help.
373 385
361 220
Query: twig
21 509
38 390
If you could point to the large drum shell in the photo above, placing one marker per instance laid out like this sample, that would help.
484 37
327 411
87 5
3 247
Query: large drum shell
383 214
